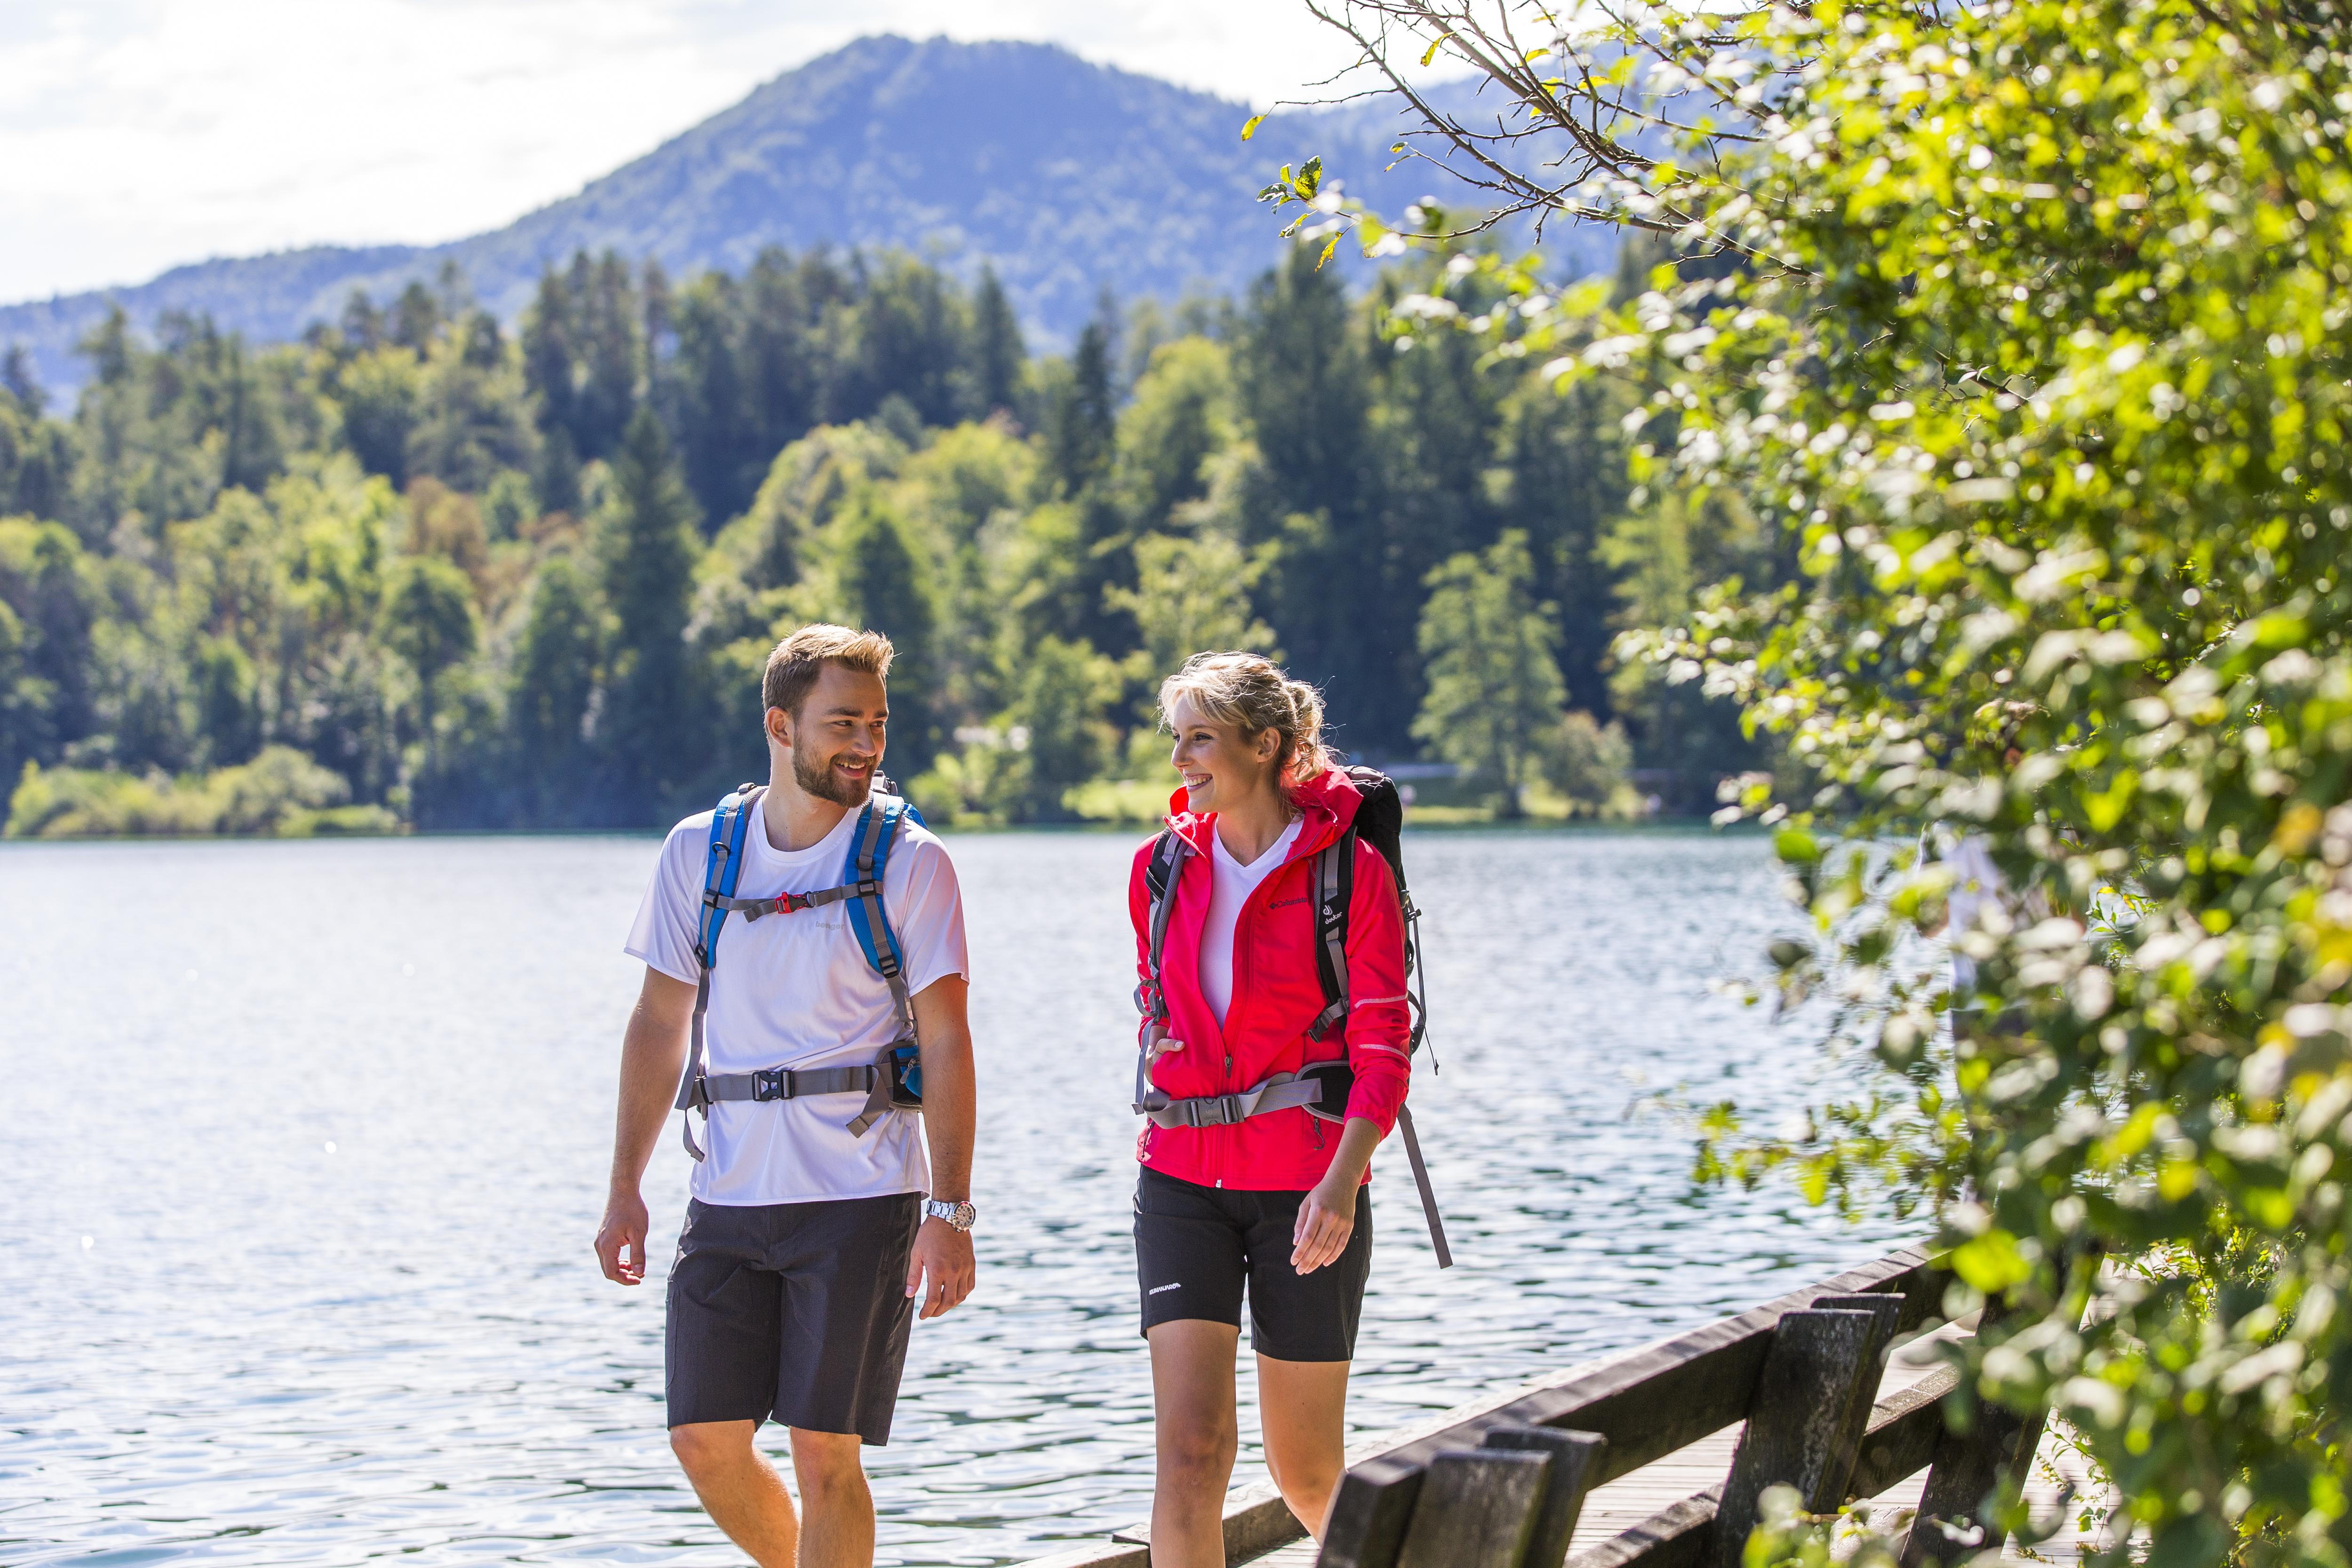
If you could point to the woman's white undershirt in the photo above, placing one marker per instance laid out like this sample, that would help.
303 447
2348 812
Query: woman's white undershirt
1234 884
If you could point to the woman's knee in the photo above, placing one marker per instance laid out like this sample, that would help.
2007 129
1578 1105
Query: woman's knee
1197 1452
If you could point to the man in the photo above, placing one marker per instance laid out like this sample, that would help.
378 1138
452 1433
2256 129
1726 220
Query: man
808 1237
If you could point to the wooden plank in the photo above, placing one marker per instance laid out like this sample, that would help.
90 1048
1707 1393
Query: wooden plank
1682 1503
1369 1513
1478 1509
1967 1468
1652 1401
1901 1438
1800 1429
1574 1458
1886 1311
1681 1536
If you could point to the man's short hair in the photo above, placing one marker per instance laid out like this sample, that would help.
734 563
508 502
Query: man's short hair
794 667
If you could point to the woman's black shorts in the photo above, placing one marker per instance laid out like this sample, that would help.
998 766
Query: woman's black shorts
794 1311
1196 1247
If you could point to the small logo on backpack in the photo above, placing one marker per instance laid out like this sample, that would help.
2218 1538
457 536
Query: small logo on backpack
1157 1289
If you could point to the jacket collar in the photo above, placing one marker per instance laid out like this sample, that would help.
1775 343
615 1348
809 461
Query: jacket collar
1327 802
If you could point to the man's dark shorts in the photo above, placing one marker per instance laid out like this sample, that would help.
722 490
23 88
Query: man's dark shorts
797 1311
1196 1247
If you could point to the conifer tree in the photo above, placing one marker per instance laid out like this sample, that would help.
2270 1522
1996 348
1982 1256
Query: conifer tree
997 350
883 588
554 674
647 541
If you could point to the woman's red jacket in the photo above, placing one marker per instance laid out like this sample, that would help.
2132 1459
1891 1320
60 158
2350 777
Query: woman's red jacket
1277 995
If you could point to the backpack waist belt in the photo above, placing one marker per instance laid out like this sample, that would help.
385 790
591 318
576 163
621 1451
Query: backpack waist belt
1282 1092
789 1083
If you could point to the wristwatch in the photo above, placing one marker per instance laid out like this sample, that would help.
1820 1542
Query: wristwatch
959 1215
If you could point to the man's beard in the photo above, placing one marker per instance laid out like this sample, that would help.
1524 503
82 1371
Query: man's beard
817 778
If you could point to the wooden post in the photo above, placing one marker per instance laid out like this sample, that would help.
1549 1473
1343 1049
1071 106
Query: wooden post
1574 1458
1478 1509
1800 1428
1369 1513
1886 1310
1950 1526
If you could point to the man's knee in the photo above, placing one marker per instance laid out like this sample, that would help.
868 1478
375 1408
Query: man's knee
828 1465
706 1447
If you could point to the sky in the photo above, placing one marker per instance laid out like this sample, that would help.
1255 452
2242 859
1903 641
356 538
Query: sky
138 134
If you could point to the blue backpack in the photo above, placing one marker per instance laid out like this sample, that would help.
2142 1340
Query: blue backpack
894 1079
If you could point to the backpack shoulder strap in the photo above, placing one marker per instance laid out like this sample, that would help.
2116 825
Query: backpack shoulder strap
1159 873
1334 888
869 858
722 868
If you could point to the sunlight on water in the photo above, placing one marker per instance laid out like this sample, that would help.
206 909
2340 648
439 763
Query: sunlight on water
306 1146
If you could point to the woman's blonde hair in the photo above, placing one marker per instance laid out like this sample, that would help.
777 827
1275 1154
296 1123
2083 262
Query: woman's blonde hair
1254 695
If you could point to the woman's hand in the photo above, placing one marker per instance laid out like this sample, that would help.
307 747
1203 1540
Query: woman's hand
1327 1218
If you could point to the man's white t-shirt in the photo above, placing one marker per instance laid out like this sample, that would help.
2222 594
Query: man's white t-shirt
1230 889
795 990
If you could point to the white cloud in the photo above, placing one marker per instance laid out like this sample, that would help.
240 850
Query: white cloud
138 134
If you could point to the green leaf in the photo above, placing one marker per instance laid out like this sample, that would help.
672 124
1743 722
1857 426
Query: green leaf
1991 1262
1796 846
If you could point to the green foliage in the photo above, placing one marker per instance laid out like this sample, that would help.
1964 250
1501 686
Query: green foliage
647 545
1589 765
2033 379
1191 596
1495 694
281 794
466 567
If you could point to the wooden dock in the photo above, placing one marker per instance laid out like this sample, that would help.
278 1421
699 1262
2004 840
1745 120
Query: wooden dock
1647 1445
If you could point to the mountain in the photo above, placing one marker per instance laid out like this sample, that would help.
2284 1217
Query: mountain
1066 176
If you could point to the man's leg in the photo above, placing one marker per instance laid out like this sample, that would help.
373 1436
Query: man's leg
838 1532
1303 1406
741 1490
1197 1433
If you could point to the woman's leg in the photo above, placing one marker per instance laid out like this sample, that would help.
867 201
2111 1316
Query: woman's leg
1198 1432
1303 1404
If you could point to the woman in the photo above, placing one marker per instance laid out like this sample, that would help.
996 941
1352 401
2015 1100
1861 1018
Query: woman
1276 1201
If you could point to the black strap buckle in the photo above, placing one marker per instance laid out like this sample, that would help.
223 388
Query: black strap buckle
772 1083
1214 1111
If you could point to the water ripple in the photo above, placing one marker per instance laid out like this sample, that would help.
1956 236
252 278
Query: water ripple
302 1256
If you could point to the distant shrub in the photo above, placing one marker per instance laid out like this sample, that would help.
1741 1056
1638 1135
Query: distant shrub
279 794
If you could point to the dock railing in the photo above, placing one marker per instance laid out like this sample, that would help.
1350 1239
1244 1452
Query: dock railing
1502 1485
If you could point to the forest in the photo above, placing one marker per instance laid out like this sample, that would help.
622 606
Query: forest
420 570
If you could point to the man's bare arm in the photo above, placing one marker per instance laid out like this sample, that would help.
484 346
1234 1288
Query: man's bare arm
950 1095
653 1055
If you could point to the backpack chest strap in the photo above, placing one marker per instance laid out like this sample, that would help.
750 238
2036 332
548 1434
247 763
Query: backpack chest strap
791 903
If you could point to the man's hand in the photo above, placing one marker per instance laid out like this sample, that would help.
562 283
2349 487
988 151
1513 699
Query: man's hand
623 1231
944 1253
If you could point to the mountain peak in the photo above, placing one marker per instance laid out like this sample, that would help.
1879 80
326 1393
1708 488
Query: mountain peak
1065 175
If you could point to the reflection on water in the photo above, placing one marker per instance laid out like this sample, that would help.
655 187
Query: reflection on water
306 1143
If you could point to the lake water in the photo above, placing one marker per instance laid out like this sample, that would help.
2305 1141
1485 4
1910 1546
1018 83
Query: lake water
305 1145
